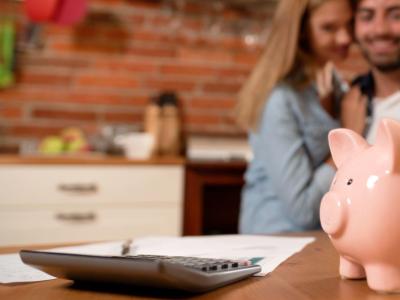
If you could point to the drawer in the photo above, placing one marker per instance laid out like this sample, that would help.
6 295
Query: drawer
74 185
63 225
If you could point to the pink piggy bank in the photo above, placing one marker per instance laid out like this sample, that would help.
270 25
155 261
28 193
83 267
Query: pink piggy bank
361 212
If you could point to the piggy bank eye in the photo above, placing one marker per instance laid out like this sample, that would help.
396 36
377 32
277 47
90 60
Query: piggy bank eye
350 181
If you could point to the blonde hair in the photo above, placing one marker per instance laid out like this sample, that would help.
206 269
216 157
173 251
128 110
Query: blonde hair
284 57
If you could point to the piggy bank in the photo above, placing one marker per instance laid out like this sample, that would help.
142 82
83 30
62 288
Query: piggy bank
361 211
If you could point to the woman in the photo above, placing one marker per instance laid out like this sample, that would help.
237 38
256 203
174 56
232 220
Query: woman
289 104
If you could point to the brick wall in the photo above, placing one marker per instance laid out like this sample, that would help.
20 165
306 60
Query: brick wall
104 70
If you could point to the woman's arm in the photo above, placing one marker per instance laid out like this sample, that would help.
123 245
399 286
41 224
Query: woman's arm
288 164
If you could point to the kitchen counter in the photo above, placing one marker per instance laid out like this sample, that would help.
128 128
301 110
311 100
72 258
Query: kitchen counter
74 198
96 196
87 159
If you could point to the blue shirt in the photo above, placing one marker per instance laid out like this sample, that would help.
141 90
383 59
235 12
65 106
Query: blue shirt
288 176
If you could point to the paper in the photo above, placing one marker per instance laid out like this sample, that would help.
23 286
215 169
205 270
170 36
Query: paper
12 269
268 251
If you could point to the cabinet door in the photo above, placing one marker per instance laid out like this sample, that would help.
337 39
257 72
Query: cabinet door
74 185
58 203
66 224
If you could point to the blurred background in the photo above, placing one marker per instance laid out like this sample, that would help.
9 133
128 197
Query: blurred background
104 69
96 80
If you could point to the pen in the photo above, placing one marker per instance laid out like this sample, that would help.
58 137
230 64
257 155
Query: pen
126 247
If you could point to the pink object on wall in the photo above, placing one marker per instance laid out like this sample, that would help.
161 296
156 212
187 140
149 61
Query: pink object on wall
40 10
70 12
361 212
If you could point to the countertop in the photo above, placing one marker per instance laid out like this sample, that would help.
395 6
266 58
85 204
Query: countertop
87 159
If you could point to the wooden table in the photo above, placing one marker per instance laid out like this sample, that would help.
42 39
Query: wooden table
310 274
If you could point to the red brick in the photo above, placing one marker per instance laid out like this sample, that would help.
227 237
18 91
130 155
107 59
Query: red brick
241 73
100 98
99 35
35 95
117 117
149 36
194 24
139 67
160 21
89 32
44 79
63 114
78 97
146 4
163 84
10 112
218 87
54 62
31 130
206 55
152 52
60 47
107 81
188 70
201 119
104 47
232 14
233 43
54 30
164 21
210 103
137 20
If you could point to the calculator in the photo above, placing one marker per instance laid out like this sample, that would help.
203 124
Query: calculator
191 274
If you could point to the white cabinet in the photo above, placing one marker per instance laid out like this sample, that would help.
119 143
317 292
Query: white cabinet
57 203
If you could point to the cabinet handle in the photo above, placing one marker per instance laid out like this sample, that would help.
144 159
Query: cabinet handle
78 188
76 217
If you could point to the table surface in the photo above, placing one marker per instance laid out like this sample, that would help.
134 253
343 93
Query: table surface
309 274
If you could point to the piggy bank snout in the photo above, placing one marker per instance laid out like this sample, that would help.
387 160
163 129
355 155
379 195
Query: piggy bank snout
332 213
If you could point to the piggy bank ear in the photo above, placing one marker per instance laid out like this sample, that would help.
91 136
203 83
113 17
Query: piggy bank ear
344 144
388 139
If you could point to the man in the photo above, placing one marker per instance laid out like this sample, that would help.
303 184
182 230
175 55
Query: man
377 31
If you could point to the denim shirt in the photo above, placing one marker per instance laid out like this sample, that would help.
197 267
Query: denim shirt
288 176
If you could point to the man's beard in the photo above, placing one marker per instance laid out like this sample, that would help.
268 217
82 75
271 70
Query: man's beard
387 66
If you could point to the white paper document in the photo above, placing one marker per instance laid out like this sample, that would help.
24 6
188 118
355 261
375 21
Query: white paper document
266 251
12 269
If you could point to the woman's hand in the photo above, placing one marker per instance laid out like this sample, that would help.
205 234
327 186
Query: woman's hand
354 110
324 82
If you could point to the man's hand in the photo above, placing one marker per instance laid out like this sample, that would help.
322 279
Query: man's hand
354 110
